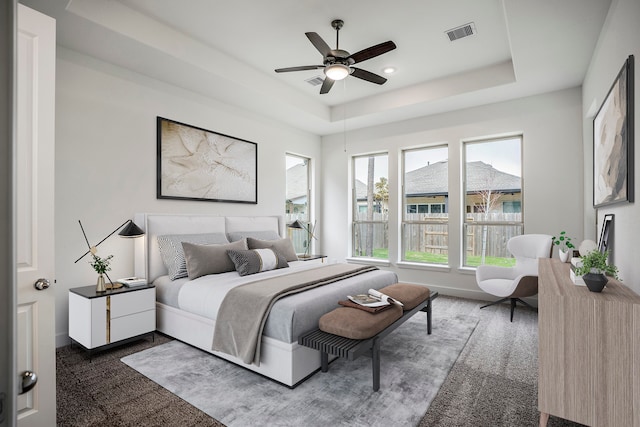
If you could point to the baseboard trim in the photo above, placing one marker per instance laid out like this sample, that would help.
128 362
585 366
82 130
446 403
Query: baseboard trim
62 339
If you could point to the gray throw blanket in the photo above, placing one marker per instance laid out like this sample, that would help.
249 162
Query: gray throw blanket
245 308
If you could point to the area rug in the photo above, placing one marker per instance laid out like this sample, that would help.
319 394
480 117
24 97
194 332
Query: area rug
413 367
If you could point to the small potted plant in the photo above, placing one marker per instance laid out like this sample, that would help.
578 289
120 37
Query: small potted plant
565 247
594 269
101 266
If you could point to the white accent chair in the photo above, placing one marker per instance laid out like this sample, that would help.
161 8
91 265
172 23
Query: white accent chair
513 283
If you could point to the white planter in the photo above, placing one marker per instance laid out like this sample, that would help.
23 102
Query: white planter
565 256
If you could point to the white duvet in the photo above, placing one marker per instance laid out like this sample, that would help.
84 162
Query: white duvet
204 295
290 316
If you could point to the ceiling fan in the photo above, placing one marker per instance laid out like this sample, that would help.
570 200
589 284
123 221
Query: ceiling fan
338 63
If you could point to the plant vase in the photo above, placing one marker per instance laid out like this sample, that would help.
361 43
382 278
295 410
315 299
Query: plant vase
595 281
100 286
565 256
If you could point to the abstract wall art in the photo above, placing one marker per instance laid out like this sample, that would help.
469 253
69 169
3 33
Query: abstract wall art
198 164
613 142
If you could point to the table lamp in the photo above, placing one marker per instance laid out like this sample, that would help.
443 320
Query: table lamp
298 224
129 230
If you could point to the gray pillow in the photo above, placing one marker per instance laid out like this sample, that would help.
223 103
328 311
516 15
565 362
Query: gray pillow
284 246
256 260
170 246
259 234
210 259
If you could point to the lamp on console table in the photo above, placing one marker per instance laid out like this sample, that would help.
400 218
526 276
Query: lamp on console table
129 230
310 235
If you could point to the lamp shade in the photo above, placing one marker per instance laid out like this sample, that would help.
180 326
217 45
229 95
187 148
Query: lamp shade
296 224
131 230
336 71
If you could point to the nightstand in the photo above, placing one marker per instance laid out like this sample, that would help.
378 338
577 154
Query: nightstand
315 258
101 319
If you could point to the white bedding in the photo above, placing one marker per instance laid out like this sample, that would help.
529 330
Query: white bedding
290 316
204 295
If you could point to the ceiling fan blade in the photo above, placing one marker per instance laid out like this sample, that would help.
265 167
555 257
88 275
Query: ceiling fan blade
368 76
373 51
320 44
326 85
301 68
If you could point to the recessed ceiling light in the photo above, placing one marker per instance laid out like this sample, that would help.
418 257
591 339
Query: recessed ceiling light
389 70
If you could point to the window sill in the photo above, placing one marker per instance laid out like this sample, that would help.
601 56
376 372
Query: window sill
369 261
467 270
423 266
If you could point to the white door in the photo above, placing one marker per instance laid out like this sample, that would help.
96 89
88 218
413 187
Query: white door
35 154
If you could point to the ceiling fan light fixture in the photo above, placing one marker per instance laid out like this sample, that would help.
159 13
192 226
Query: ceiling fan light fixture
336 71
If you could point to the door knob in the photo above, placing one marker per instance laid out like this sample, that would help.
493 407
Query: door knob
41 284
28 380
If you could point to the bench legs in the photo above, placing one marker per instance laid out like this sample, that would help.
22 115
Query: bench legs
374 350
375 364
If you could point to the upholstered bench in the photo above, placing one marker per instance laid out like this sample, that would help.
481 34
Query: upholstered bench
350 332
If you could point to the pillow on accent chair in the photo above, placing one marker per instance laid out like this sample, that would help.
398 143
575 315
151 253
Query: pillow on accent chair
170 246
210 259
257 260
284 246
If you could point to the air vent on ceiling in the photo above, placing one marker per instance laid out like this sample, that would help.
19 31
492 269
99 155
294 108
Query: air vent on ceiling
315 81
462 31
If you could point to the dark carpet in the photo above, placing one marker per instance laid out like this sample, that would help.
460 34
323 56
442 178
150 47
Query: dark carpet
493 382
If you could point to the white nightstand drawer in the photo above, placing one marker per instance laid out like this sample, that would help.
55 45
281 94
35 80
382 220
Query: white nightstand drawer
100 318
132 325
132 302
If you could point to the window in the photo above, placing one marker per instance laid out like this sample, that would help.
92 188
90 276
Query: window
370 191
297 200
493 200
425 189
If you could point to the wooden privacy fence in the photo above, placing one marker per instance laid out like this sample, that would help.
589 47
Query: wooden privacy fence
434 237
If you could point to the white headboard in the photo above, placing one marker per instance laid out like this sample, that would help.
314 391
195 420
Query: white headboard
148 262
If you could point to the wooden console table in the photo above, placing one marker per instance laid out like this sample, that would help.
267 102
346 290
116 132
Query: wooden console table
588 350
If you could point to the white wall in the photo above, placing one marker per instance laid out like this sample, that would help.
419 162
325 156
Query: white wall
106 162
552 175
620 37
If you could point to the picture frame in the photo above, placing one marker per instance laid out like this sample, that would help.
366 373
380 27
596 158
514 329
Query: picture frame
198 164
613 142
606 234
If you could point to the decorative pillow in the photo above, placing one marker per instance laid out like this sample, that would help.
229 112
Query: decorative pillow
170 246
210 259
259 234
256 260
284 246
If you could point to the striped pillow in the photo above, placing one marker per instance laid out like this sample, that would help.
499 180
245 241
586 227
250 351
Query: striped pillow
256 260
173 254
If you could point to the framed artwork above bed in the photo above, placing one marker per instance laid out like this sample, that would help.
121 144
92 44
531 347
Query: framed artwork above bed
613 134
199 164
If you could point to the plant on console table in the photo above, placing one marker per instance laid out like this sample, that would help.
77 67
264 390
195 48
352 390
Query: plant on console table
594 269
565 247
101 266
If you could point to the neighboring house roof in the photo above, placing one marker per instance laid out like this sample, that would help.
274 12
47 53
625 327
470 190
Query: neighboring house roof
482 176
432 180
297 183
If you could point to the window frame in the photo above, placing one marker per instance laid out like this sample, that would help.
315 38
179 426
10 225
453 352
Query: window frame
466 221
404 222
356 209
296 235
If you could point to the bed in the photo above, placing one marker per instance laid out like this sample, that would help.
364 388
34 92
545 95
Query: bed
187 308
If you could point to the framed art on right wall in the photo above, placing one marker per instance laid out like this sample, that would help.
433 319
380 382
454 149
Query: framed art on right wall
613 142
